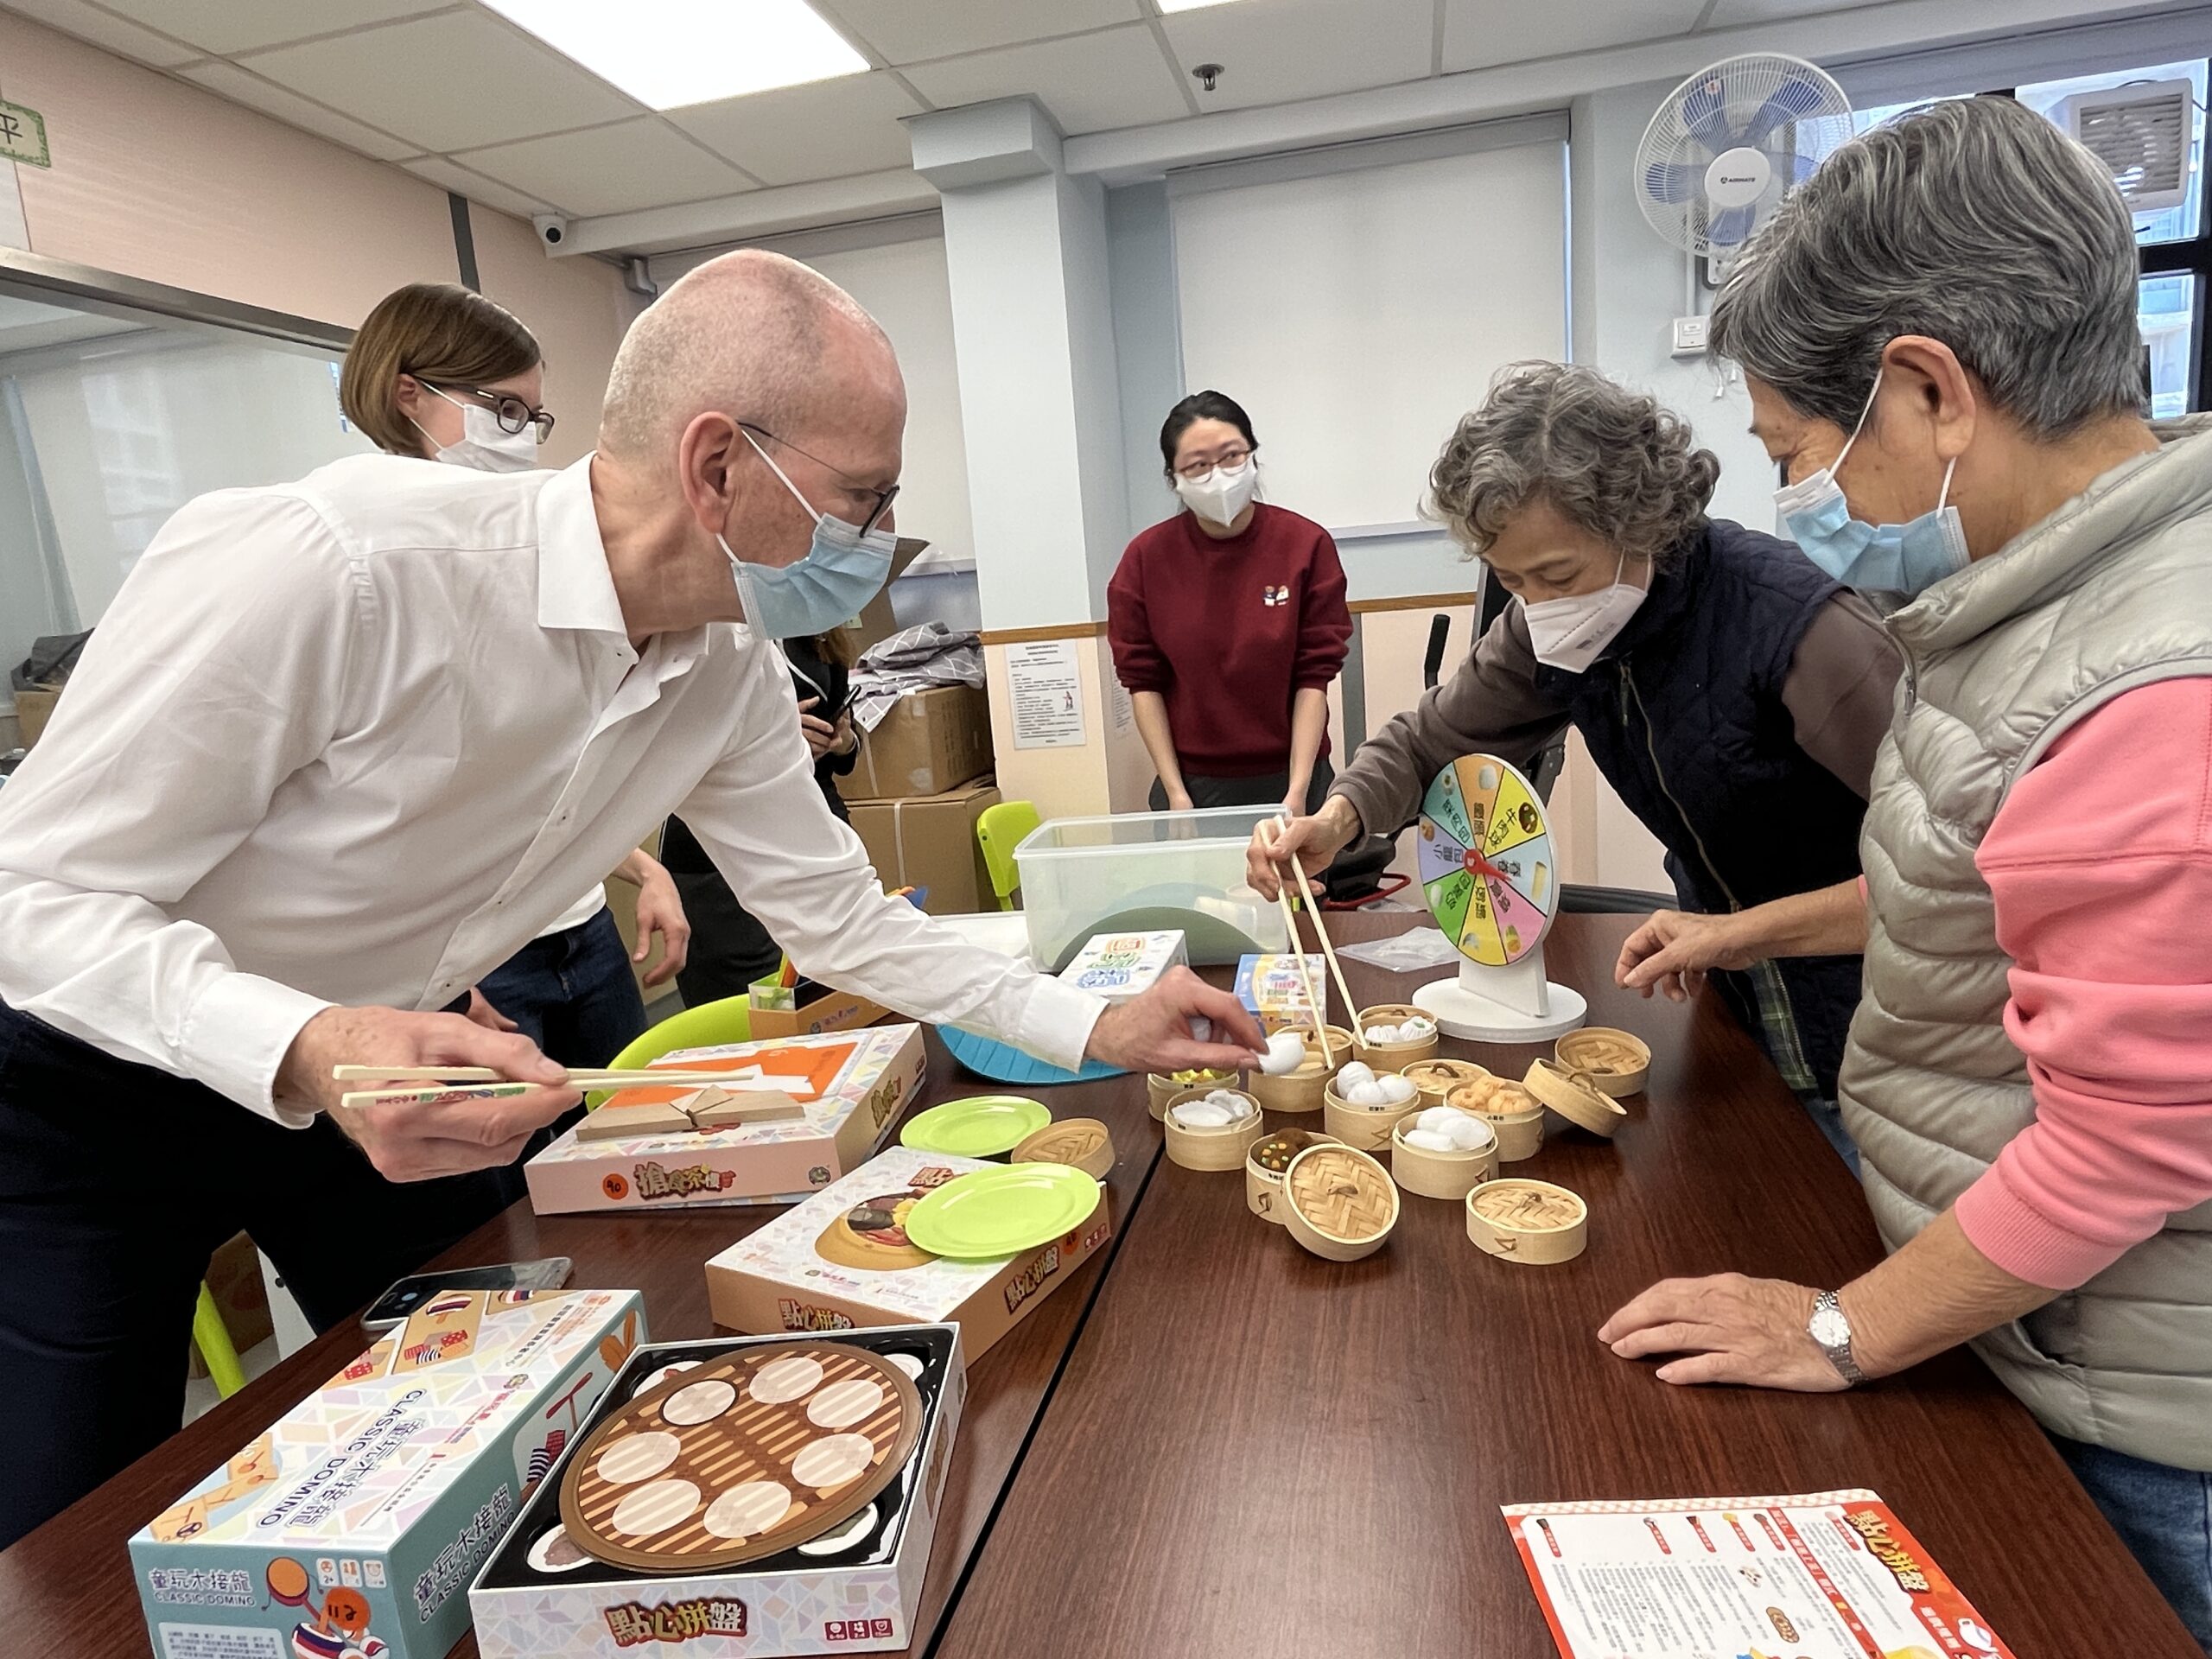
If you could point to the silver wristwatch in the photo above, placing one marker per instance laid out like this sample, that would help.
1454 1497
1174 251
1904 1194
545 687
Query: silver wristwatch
1829 1328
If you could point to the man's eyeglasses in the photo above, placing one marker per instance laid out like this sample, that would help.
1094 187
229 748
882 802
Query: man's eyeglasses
883 499
1198 471
511 411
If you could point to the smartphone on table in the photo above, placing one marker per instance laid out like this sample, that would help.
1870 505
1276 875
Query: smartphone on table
397 1304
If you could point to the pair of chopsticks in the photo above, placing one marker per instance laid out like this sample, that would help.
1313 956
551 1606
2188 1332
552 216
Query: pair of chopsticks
1276 825
442 1083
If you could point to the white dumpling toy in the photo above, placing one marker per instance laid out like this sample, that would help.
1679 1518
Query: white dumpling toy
1428 1140
1286 1053
1396 1090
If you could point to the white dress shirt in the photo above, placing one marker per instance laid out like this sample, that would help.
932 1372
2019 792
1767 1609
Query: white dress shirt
356 740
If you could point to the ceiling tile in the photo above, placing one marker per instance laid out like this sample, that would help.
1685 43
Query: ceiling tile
91 23
227 26
1272 51
824 131
446 83
1729 13
242 87
1479 33
463 182
908 31
1113 78
610 170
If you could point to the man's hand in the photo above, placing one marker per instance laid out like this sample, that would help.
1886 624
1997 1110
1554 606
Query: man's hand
415 1141
1673 952
1731 1330
481 1012
660 910
1151 1032
1314 841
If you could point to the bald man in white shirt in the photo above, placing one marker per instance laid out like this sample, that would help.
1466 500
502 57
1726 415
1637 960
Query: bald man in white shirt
338 749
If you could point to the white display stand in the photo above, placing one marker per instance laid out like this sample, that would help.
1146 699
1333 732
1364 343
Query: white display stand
1514 1004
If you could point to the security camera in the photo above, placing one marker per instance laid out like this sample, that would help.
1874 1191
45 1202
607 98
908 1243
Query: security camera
552 229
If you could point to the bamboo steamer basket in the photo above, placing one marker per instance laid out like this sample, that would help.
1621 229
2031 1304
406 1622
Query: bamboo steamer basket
1440 1174
1338 1203
1520 1131
1301 1090
1394 1057
1159 1090
1081 1143
1576 1096
1263 1185
1367 1128
1438 1078
1213 1149
1618 1062
1529 1222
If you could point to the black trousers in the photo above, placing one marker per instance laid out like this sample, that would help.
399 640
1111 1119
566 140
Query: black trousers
1263 791
117 1183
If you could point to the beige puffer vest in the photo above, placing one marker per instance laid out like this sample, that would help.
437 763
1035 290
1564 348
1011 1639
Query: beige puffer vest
2112 592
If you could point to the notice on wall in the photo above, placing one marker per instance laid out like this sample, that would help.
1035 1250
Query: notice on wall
22 135
1125 711
1046 689
1827 1575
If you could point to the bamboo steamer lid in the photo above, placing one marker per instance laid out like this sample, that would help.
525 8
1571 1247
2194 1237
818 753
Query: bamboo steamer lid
1437 1077
1576 1096
1223 1149
1529 1222
1082 1143
1338 1203
1618 1062
1265 1163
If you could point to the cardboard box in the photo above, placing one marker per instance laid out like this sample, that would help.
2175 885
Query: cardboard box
1273 989
930 842
858 1589
831 1011
840 1260
1120 966
852 1083
32 710
351 1524
233 1279
927 743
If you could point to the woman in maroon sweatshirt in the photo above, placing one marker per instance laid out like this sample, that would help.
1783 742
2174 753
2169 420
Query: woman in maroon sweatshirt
1228 621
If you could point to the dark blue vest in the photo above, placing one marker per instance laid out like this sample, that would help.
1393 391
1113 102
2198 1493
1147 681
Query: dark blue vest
1683 714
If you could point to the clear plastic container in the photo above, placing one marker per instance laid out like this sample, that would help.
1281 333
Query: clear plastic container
1138 871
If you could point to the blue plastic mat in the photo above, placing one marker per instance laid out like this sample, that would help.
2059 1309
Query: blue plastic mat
988 1057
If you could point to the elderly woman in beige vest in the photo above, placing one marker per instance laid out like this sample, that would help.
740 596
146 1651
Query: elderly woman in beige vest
1939 336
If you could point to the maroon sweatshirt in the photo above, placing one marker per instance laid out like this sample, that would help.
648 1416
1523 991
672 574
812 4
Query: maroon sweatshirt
1228 632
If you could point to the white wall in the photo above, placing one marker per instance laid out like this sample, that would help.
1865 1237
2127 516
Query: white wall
27 599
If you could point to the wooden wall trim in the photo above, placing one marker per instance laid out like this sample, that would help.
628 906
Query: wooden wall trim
1033 636
1412 602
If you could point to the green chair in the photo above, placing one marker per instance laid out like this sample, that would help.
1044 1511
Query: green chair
212 1338
707 1026
1000 830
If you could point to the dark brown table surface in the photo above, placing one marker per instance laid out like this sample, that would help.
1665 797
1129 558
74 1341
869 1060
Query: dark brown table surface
1238 1446
1255 1451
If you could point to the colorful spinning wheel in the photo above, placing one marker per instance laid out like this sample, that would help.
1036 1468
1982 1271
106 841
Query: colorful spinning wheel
1486 861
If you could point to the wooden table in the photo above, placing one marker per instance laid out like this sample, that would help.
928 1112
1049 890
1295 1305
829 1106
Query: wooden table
1255 1451
1238 1446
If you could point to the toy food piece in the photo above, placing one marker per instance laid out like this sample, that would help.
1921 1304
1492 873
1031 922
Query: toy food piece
1202 1115
1286 1053
1426 1139
1459 1131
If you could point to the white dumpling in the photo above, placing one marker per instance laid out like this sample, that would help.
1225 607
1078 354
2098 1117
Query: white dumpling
1202 1115
1376 1035
1416 1030
1439 1120
1467 1134
1428 1140
1354 1072
1228 1100
1370 1093
1286 1053
1396 1090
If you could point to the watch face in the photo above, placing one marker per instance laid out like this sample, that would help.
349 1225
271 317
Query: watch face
1829 1328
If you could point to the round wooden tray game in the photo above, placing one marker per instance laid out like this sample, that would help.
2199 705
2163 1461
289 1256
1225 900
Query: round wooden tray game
1082 1143
1159 1090
1440 1174
1531 1221
1265 1163
1519 1131
1214 1150
1367 1128
1576 1096
1618 1062
690 1474
1394 1056
1338 1202
1300 1090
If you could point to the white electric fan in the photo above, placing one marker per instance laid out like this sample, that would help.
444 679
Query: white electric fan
1491 877
1726 146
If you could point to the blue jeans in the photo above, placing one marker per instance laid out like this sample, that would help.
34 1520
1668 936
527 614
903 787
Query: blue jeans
2163 1514
572 993
1828 1117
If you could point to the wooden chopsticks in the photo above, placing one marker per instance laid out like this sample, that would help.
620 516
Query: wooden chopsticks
455 1083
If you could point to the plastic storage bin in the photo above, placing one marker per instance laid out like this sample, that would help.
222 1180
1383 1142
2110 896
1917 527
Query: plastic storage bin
1136 871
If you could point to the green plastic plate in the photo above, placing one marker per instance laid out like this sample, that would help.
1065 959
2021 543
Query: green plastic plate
989 1213
981 1127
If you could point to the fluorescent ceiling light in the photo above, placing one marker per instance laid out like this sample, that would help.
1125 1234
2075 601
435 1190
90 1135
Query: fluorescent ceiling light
666 54
1187 5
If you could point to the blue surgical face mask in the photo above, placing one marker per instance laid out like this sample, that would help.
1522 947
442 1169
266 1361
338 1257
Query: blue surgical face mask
842 570
1903 558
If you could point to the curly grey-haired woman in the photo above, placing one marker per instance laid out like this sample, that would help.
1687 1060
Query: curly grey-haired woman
1732 694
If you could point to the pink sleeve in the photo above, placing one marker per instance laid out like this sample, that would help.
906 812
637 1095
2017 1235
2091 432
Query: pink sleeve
2099 863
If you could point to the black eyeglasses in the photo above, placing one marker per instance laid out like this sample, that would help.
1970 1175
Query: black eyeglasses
883 497
513 414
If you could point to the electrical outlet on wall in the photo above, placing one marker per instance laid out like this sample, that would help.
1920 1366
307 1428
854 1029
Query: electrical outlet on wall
1689 336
